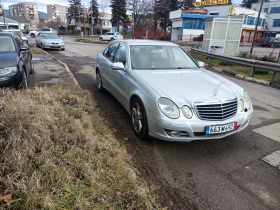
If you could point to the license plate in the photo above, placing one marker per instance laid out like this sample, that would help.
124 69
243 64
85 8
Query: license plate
221 128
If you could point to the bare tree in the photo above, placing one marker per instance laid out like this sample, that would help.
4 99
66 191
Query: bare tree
141 10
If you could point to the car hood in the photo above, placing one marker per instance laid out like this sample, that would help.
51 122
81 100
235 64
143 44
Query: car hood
52 40
187 86
8 59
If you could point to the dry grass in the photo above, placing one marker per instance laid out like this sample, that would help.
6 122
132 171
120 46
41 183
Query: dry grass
36 50
56 152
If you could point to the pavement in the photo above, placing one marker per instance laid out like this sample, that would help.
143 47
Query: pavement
235 173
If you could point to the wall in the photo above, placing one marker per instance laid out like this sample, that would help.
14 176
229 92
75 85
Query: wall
175 14
177 24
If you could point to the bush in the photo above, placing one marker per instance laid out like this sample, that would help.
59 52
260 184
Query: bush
261 72
243 54
268 58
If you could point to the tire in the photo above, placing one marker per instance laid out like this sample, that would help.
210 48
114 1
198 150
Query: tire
100 39
32 68
24 83
99 84
42 47
62 49
139 119
112 39
32 35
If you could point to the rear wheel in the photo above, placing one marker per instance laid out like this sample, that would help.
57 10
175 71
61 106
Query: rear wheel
99 84
112 39
139 119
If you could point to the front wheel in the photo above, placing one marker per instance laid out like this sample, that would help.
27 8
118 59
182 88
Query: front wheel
99 84
24 83
32 35
32 71
139 119
100 39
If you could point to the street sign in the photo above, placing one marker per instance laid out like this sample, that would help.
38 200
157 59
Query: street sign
200 3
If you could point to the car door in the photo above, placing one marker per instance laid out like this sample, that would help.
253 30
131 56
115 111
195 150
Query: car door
24 56
105 66
104 37
119 77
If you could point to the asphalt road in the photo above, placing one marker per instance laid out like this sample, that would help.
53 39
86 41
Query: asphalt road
219 174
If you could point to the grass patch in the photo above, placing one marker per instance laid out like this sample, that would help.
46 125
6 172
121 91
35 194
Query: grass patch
58 153
36 50
239 69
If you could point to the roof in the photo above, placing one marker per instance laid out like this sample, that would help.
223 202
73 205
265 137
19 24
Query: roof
147 42
19 19
198 16
7 20
3 33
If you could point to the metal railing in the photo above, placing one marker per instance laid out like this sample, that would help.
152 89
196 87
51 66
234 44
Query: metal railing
275 67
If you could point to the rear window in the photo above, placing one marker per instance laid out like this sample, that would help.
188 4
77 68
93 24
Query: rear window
6 44
45 29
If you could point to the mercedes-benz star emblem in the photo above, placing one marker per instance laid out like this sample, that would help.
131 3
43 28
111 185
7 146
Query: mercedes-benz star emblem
215 91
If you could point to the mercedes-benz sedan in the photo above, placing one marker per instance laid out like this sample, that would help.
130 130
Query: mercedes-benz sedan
168 94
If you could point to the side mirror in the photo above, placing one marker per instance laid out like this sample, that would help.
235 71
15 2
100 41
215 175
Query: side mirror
117 66
201 64
24 48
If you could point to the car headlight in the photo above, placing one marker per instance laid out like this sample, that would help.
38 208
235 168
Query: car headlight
62 43
187 112
240 105
8 70
247 100
169 108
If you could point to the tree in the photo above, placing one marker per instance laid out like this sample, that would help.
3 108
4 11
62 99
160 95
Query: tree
248 3
162 9
186 4
141 9
119 16
94 9
75 10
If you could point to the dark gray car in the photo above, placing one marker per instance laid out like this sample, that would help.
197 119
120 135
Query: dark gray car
270 42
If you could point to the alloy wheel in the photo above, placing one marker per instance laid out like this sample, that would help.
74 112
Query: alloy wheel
137 117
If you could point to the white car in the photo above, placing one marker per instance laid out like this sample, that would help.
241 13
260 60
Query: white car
19 33
109 36
35 33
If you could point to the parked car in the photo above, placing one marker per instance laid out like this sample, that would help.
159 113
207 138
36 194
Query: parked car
49 40
17 32
168 94
270 42
25 31
15 61
109 36
34 33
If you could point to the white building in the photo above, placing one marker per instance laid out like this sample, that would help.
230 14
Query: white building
250 19
272 8
57 12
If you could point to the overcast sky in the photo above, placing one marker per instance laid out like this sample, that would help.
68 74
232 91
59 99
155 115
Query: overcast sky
42 3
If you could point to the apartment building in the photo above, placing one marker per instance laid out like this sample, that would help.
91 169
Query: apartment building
27 9
57 12
272 8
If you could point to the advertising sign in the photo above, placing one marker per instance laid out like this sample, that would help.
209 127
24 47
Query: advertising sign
201 3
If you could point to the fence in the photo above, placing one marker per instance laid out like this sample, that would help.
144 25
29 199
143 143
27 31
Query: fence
151 34
274 67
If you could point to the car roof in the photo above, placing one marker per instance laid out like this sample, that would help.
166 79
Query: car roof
11 30
147 42
5 33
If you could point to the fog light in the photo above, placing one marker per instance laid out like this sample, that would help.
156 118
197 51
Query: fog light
175 133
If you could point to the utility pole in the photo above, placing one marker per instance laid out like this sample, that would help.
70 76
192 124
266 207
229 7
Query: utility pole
256 28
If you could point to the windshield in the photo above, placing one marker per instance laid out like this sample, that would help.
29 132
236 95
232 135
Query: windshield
6 44
160 57
49 36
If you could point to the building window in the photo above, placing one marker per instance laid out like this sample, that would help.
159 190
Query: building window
260 22
265 10
275 10
245 19
263 23
194 24
251 20
215 13
276 23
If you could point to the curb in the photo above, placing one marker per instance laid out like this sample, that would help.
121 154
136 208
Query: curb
66 68
239 76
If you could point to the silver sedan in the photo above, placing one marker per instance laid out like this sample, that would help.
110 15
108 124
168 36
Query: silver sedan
168 94
49 40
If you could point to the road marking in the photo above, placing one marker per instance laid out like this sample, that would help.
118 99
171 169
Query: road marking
270 131
273 159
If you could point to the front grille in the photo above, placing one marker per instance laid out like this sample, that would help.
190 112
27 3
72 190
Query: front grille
219 110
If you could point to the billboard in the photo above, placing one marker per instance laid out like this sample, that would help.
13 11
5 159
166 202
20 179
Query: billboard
201 3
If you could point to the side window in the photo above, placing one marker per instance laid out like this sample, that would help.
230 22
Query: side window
18 41
39 34
120 55
110 50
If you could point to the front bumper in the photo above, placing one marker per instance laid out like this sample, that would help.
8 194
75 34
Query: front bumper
193 129
11 81
50 46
